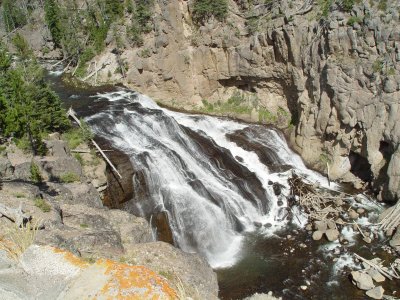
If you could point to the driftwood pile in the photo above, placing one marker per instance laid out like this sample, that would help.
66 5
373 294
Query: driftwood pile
392 219
319 204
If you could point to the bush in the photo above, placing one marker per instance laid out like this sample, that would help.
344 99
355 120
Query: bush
43 205
205 9
78 135
16 240
69 178
36 176
13 15
353 19
382 5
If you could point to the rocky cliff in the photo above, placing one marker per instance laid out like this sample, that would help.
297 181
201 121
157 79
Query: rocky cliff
64 209
327 71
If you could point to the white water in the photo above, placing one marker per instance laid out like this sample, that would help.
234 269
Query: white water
208 210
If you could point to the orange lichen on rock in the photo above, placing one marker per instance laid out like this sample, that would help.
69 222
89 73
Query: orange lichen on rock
74 260
134 282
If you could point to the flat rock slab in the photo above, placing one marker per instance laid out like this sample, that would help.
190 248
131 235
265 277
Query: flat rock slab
56 274
332 234
376 293
362 280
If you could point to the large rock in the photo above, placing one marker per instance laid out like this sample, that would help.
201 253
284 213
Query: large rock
6 170
332 234
192 270
362 280
395 241
57 274
376 293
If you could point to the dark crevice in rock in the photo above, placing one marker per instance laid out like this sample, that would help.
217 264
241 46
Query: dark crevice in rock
360 167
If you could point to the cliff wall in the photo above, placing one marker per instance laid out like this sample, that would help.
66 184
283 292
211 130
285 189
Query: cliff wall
327 74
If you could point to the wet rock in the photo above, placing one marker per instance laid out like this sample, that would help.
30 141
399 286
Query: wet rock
317 235
280 203
376 276
395 241
268 225
360 210
320 226
339 202
376 293
339 221
362 281
257 224
331 224
161 222
277 188
332 234
353 215
389 232
367 239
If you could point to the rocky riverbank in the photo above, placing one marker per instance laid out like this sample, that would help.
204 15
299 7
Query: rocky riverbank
59 197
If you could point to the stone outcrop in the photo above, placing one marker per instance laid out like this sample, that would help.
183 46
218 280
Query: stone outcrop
56 274
71 216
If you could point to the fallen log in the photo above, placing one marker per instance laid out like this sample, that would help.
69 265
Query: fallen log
88 151
71 113
377 267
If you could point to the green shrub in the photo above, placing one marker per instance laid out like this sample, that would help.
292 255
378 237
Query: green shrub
205 9
79 158
19 195
141 20
36 176
382 5
22 46
377 66
77 135
13 15
265 116
353 19
43 205
325 6
69 177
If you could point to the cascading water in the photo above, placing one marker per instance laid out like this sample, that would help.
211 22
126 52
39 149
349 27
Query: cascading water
214 177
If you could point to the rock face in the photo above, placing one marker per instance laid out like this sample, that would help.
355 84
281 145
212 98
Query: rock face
71 217
57 274
334 74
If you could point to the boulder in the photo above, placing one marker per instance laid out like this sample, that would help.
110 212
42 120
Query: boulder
353 214
320 226
376 293
395 241
376 276
57 274
6 170
332 234
362 280
317 235
191 269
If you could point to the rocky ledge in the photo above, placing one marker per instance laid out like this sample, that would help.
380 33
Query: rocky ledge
58 200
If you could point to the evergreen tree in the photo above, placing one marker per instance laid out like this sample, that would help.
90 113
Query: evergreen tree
29 108
53 20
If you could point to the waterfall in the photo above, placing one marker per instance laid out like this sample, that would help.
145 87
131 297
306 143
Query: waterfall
214 177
